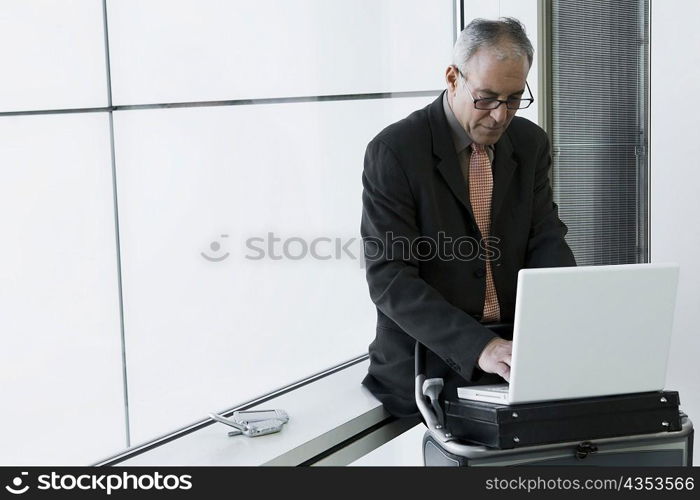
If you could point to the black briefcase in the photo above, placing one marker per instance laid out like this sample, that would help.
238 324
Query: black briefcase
511 426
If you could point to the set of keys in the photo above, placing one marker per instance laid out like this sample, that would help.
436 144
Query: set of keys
254 423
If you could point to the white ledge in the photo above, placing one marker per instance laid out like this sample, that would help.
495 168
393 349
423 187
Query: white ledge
323 414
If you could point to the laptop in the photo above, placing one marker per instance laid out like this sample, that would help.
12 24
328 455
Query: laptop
587 331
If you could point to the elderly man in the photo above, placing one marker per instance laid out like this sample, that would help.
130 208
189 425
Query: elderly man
456 201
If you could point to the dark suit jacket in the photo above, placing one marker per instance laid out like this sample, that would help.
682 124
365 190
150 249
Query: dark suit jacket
413 189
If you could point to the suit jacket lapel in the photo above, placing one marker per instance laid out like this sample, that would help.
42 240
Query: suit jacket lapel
503 168
444 149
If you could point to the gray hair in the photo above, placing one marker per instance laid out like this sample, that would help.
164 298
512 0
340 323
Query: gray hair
506 36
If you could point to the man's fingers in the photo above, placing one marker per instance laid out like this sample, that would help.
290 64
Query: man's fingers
498 352
504 371
504 350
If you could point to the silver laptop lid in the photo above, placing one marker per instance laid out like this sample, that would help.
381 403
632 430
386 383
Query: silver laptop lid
592 331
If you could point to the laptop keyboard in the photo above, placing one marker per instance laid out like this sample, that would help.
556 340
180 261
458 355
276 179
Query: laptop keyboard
497 388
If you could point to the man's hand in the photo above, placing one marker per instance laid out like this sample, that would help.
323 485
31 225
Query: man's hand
496 358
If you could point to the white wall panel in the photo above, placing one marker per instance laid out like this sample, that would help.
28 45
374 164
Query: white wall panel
60 362
486 9
53 55
675 177
203 50
203 335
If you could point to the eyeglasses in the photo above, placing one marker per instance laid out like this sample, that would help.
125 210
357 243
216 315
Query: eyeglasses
491 103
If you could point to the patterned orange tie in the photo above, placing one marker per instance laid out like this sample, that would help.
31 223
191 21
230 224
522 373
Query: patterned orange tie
480 190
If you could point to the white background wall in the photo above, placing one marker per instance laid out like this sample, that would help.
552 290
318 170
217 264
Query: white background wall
675 177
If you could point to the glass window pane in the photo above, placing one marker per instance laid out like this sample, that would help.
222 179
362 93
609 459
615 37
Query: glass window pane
202 335
204 50
53 55
60 362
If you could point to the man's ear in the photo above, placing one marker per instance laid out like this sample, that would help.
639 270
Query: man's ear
451 78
